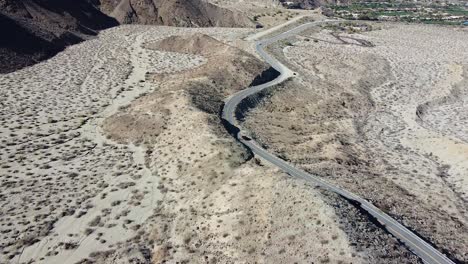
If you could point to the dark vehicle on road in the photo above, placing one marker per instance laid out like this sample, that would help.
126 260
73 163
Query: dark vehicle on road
246 138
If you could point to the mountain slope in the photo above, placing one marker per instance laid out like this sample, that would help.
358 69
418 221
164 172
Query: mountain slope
187 13
34 30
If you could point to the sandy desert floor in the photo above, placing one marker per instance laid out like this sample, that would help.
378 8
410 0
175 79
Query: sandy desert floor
67 190
107 159
381 111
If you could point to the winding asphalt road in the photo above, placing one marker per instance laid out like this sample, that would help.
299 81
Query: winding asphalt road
420 247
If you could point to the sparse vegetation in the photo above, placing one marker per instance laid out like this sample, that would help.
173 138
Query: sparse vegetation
353 127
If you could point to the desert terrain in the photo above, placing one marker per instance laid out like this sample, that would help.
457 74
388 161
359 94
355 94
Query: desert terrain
113 150
64 183
112 157
380 112
39 29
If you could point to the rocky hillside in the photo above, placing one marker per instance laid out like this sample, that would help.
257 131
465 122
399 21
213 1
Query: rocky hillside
187 13
37 29
34 30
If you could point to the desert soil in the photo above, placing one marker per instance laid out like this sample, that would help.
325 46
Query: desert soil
110 155
382 113
67 190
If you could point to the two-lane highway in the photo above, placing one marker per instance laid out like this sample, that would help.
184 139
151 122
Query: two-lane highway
420 247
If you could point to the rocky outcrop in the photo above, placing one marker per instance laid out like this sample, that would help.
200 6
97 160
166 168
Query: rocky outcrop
188 13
